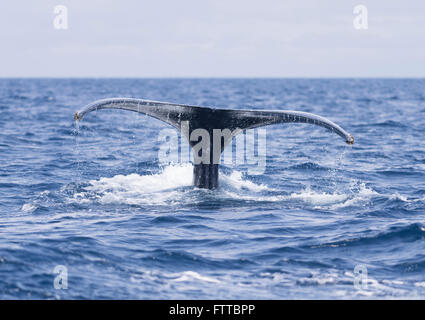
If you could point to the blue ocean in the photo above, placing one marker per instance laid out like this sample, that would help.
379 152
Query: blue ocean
325 220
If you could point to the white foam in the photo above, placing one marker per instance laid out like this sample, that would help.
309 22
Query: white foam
28 208
185 276
362 194
398 196
336 199
169 187
170 178
147 189
237 181
194 276
420 284
393 282
318 198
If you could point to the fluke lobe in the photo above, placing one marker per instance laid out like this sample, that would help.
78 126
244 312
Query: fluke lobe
220 124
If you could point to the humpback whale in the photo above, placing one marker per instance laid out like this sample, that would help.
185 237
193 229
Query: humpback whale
218 125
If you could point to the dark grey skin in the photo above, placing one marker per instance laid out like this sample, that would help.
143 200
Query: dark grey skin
205 173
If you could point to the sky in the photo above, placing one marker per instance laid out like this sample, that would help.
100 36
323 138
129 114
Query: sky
202 38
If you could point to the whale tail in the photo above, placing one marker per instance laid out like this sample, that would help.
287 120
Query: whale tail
209 130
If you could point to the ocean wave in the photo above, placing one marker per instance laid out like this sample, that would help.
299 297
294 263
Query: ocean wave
406 233
308 166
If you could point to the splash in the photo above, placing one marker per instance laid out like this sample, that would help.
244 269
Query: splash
236 180
360 193
319 198
173 186
161 188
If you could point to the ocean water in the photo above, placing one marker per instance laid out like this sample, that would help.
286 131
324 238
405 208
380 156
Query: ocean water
97 200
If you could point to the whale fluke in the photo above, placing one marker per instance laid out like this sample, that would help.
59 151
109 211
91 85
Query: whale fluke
187 119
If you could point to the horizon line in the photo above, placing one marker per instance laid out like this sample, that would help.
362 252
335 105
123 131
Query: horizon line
214 77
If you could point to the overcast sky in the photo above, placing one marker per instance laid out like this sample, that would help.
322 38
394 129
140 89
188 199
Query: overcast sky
200 38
